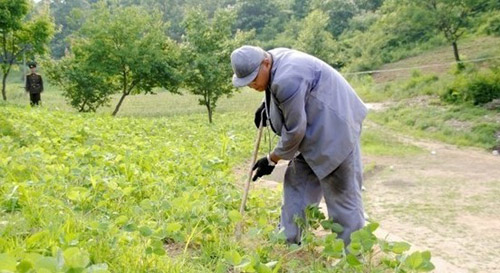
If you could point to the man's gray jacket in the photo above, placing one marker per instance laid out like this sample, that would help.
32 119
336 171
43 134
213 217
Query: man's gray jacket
314 110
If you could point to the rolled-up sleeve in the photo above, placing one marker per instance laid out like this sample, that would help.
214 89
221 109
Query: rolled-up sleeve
291 96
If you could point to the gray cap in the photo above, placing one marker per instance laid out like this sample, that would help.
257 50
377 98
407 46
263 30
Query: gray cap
246 62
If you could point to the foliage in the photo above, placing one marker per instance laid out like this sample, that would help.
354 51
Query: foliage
365 253
418 84
85 88
450 17
89 193
208 44
314 39
392 34
339 13
477 87
492 24
255 14
125 50
463 124
68 18
20 35
117 191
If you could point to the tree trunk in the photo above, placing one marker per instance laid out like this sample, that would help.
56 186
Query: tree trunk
455 51
83 106
4 83
209 112
119 103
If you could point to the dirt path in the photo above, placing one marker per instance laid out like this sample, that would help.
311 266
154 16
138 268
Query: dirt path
445 200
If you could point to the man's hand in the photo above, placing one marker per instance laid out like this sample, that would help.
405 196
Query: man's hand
264 166
260 114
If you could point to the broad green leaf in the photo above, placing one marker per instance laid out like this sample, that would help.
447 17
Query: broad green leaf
7 262
76 258
235 216
414 261
145 231
352 260
372 226
121 220
233 257
173 227
400 247
130 227
159 251
334 249
48 263
23 266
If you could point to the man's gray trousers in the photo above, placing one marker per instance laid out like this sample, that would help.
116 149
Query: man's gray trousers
341 190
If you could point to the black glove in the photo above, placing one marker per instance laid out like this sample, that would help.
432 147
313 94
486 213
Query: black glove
263 168
260 113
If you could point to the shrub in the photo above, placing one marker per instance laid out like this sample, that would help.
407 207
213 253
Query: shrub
476 88
492 25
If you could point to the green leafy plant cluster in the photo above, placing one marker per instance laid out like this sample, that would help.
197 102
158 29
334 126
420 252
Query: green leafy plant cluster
127 192
91 193
476 87
365 253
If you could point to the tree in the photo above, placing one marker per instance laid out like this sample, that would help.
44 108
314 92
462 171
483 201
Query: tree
85 87
315 39
368 5
128 47
19 36
339 12
300 8
69 17
451 17
255 14
207 47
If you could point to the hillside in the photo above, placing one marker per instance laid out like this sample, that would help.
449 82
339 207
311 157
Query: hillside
470 49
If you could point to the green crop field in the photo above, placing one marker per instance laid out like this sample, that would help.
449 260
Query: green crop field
92 193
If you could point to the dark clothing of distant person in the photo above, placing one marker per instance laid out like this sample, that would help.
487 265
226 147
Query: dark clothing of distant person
34 86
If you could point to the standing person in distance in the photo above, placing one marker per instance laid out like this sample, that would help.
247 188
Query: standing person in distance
318 117
34 85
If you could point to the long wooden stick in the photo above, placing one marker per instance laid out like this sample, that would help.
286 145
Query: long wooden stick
247 185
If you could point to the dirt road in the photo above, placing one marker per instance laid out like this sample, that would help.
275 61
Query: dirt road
445 200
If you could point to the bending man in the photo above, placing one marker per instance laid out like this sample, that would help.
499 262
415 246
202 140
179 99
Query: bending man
318 117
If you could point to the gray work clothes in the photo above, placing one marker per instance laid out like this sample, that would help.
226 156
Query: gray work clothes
341 190
319 115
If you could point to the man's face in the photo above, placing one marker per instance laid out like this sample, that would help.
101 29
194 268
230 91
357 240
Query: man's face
260 82
33 69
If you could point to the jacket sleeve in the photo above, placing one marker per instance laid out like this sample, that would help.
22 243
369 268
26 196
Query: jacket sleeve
41 84
291 94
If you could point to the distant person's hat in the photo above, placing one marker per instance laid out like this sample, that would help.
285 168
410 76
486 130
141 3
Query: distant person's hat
31 64
246 62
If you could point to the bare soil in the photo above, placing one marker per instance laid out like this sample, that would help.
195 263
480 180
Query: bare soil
445 200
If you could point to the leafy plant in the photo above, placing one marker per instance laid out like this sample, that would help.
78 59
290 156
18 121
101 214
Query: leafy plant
208 44
477 88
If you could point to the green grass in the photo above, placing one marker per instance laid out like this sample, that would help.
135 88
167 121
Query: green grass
379 142
462 125
152 105
469 48
156 105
